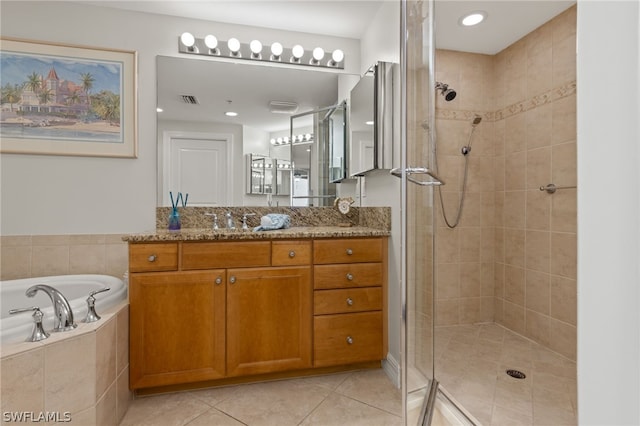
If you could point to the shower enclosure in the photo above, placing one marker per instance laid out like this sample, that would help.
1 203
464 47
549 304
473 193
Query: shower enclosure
490 315
422 398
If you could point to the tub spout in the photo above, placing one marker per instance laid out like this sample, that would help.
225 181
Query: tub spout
63 315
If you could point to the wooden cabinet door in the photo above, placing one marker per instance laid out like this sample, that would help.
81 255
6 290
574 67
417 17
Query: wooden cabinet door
269 320
176 327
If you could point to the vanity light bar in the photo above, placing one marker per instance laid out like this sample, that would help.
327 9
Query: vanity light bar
256 51
297 139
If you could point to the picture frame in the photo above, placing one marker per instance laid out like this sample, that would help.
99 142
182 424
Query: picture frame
67 100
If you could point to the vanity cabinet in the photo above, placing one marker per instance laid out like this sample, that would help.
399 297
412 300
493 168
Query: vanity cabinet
177 327
203 311
227 309
348 322
268 320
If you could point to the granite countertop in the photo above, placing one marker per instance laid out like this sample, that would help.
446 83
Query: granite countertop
204 234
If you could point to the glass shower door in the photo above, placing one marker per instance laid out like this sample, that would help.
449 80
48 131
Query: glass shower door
417 58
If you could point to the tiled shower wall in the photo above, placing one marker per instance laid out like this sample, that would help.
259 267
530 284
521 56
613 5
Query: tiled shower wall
27 256
516 246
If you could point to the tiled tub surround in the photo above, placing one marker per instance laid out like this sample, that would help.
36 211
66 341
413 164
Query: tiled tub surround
84 372
512 260
28 256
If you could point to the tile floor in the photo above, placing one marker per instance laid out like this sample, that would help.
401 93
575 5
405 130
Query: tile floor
366 398
470 364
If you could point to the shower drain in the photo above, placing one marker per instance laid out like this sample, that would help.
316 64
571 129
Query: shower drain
516 374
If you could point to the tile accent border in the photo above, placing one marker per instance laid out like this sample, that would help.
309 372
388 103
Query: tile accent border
549 96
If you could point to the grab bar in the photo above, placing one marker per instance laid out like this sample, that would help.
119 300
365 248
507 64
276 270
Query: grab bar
418 171
551 188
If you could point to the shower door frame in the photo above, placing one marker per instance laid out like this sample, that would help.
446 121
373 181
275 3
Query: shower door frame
409 214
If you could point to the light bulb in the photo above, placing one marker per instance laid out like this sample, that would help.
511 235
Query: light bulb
279 140
211 41
276 49
318 53
297 51
234 45
337 55
188 39
273 141
256 46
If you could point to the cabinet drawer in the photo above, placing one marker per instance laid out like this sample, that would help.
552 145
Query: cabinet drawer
347 300
226 254
153 257
348 250
347 275
347 338
290 253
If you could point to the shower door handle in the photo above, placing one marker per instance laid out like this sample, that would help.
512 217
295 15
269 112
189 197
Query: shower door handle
436 181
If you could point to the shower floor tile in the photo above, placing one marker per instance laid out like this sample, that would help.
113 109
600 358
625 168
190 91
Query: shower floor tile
471 365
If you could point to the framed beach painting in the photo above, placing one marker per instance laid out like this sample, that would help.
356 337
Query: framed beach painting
67 100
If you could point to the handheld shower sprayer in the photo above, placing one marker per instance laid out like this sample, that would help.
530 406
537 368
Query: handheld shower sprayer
467 148
448 93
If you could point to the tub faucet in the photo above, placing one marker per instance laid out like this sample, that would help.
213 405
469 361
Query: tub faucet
63 315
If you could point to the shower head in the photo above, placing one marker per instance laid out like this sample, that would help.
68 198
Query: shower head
448 93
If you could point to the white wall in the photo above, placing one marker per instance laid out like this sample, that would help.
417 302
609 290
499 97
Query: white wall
608 40
381 42
77 195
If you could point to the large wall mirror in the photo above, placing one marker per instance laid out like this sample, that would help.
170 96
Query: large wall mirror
198 142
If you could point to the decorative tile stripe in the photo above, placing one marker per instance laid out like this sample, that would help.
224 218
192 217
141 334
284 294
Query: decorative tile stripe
549 96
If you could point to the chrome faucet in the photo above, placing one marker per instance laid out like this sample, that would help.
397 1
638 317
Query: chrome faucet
244 219
215 219
230 223
63 315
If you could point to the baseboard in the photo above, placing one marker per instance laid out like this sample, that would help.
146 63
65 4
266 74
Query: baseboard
392 369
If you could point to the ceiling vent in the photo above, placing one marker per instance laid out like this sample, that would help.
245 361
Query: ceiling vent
283 107
190 99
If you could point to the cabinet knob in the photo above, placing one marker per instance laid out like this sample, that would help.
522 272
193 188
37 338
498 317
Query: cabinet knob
219 280
152 258
292 253
350 340
349 301
232 280
349 252
350 277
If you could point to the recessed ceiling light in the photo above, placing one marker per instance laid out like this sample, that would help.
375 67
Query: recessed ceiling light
230 114
473 18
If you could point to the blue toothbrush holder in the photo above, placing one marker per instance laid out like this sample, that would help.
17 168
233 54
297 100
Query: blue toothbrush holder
174 220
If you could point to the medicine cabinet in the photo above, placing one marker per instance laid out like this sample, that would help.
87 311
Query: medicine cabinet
372 106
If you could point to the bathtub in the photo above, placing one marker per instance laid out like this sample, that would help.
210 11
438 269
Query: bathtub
76 288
